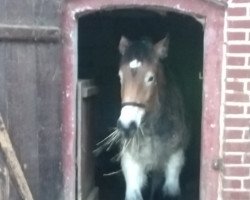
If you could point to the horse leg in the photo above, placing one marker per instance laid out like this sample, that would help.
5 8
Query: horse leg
172 172
134 176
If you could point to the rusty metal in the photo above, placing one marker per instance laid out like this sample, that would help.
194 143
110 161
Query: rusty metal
29 33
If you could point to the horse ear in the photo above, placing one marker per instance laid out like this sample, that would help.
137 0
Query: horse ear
123 45
161 47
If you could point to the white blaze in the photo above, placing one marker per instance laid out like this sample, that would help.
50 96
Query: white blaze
134 63
131 114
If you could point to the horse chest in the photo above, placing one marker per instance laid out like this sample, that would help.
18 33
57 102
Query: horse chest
150 153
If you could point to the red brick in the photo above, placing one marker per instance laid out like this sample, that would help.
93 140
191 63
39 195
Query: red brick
236 171
235 86
240 1
236 195
247 184
248 110
238 73
233 134
247 134
248 86
236 147
238 48
237 98
234 109
239 24
237 122
240 11
246 158
236 36
231 183
236 61
232 159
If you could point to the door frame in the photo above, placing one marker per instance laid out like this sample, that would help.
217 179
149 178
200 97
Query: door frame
212 16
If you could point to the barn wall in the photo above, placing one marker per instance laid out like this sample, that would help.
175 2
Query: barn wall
236 100
30 12
30 76
30 81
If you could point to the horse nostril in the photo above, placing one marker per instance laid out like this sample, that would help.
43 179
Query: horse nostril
132 126
126 130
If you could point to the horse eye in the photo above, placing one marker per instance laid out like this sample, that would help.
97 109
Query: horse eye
149 78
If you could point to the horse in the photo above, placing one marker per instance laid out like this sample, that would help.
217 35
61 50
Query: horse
151 129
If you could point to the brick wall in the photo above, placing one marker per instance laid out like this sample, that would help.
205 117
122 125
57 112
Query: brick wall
236 100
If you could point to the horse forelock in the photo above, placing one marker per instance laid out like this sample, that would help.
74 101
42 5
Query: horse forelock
141 51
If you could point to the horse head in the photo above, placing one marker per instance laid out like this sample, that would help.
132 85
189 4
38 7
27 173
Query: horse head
140 75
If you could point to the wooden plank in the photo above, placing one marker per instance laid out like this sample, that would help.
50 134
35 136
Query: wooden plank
4 110
3 97
48 12
20 77
85 160
32 103
88 88
17 12
7 189
4 181
48 119
29 33
31 12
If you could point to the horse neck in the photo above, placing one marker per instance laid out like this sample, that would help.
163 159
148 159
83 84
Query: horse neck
167 97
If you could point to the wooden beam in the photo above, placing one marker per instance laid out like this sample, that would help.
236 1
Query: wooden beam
13 164
44 34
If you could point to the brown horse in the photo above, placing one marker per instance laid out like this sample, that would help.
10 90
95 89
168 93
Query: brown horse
151 128
152 121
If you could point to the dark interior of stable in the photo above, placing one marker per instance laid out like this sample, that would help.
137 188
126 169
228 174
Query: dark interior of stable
98 58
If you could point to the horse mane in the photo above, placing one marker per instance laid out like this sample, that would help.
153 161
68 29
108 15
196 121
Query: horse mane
169 113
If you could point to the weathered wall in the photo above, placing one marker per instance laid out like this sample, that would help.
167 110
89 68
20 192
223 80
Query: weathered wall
236 101
30 94
30 12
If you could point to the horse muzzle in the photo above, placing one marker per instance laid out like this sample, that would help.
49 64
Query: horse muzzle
130 118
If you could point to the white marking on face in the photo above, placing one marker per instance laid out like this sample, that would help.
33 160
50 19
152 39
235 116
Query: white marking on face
135 64
131 114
